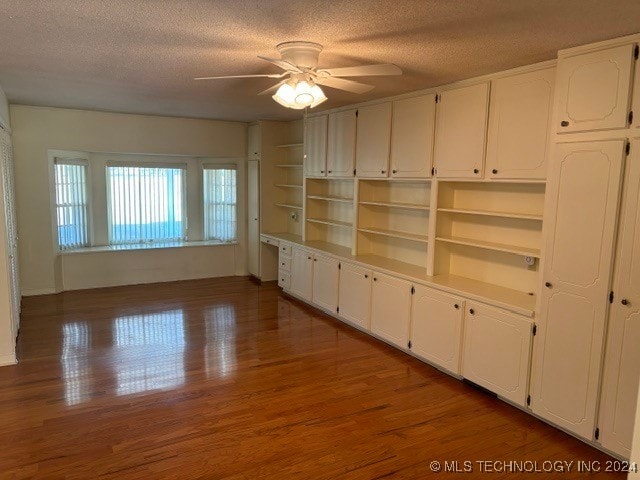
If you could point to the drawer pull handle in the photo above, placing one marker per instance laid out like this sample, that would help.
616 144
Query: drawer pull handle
564 123
476 171
494 171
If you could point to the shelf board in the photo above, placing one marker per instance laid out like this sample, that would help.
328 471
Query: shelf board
289 165
286 205
500 247
392 265
406 206
287 185
327 221
290 145
395 234
330 198
523 216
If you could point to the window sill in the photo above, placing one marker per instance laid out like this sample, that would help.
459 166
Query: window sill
146 246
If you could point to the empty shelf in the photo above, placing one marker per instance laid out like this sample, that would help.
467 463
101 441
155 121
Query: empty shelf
500 247
407 206
328 198
394 233
287 185
286 205
524 216
327 221
290 145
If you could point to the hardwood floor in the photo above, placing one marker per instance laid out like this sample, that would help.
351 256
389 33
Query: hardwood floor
225 379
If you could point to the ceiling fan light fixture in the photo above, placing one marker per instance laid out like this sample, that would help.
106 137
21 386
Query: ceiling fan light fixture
299 94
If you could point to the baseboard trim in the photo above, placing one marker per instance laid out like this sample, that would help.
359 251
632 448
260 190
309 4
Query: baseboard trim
7 360
37 291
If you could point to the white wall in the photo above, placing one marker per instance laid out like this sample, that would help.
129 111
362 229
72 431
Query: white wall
37 130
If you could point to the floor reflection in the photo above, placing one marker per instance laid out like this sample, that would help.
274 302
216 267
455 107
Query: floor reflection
76 368
150 351
220 350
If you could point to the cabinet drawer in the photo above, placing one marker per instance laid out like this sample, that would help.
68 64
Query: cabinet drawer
284 280
285 249
269 241
285 263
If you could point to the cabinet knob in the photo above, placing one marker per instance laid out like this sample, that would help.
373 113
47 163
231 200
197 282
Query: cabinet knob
394 171
375 279
366 275
548 284
321 171
383 171
329 171
456 306
315 259
471 311
624 301
564 123
476 171
494 171
308 258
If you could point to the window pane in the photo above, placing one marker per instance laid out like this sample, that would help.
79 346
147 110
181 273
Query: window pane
71 205
145 205
220 222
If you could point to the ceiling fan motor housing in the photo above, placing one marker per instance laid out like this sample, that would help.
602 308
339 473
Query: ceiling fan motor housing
301 54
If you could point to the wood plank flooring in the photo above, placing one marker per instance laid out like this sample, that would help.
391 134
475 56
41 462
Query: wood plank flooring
226 379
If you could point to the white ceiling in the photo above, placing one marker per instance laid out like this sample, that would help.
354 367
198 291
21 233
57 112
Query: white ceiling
140 56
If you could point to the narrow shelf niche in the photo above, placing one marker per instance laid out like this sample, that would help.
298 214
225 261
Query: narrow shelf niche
329 211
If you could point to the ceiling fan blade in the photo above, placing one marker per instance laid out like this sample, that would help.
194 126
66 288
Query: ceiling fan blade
363 70
289 67
272 89
348 85
271 75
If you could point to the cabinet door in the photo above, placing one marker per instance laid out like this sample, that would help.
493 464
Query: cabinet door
636 94
391 308
593 90
341 148
519 125
354 299
580 217
373 140
412 136
253 142
253 207
622 363
302 273
497 349
325 282
461 131
315 145
436 327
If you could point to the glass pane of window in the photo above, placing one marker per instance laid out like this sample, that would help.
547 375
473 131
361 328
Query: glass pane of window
71 205
220 220
146 204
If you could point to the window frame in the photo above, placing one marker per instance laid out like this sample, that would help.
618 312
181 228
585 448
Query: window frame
145 164
222 165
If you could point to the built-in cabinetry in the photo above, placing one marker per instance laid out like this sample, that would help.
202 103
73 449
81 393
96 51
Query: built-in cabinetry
354 299
341 144
373 140
253 212
315 146
391 308
329 210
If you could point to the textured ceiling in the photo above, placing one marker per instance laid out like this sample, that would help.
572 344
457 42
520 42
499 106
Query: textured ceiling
140 56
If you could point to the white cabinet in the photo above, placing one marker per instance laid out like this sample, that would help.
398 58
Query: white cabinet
391 308
325 282
580 218
461 131
302 273
315 146
635 107
497 349
253 210
593 90
354 299
519 125
373 140
436 327
622 362
412 133
341 148
254 141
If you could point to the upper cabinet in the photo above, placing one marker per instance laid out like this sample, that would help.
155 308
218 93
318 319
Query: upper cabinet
461 126
593 90
412 136
373 140
341 148
315 146
636 91
253 142
519 125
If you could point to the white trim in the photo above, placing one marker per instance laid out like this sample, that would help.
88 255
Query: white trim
8 360
128 247
32 292
594 47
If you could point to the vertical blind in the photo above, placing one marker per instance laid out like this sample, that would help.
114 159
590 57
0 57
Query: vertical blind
146 204
220 203
71 203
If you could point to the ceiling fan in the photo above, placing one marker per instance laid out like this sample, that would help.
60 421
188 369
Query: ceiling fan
299 87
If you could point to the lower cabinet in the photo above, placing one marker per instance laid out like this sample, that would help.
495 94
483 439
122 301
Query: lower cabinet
302 273
354 299
497 351
391 308
325 282
436 327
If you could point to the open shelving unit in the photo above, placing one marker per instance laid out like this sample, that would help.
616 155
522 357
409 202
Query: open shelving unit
489 234
329 210
288 180
393 221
